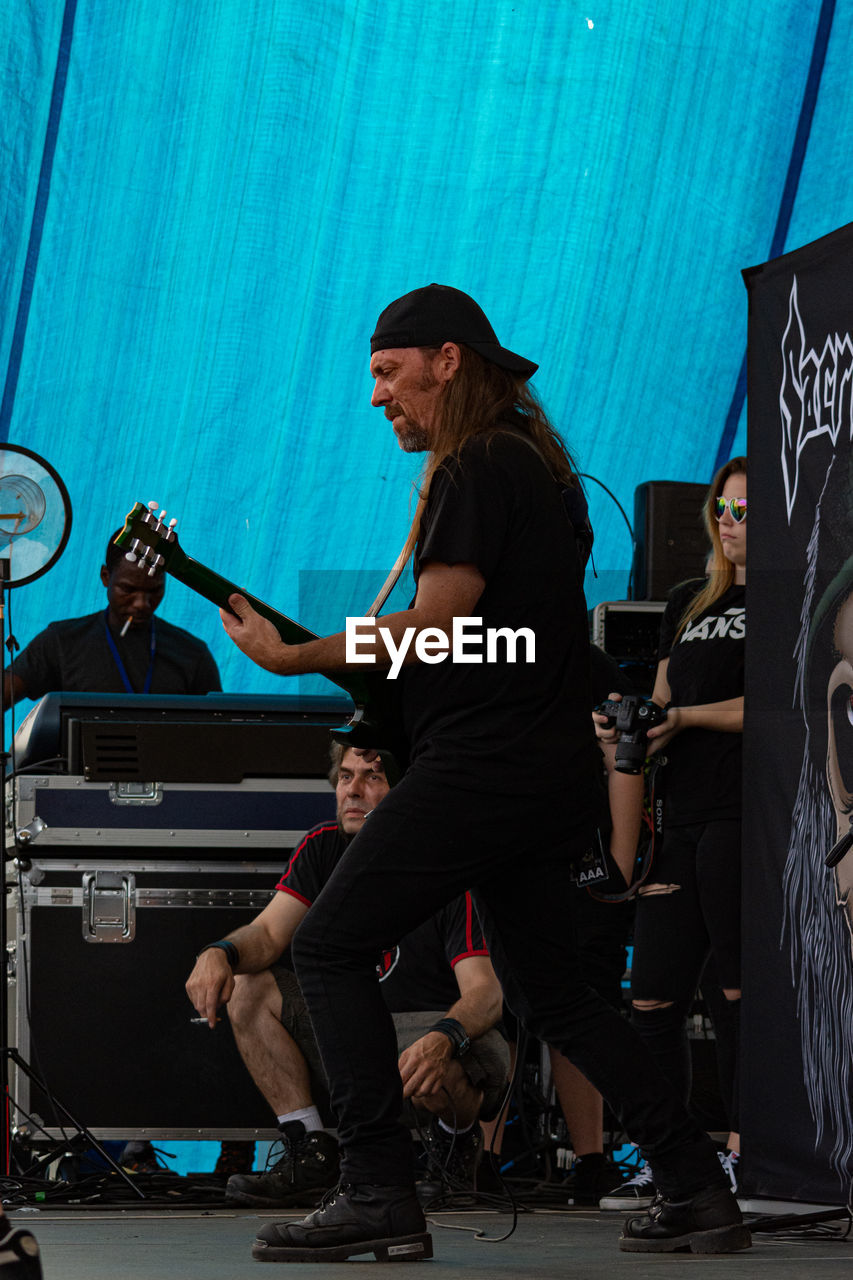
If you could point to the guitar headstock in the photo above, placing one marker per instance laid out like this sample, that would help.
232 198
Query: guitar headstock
147 539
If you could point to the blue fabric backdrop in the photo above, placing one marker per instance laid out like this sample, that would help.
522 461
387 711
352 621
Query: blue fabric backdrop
206 206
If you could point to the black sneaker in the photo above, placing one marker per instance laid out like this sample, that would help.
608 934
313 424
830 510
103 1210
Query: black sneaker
592 1177
452 1162
636 1193
708 1222
308 1168
19 1255
385 1221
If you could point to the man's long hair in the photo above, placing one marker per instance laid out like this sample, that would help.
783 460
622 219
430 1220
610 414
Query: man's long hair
481 398
721 571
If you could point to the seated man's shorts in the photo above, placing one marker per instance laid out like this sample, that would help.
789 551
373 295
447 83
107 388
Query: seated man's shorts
486 1064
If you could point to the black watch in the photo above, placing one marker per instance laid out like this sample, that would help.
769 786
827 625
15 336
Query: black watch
456 1034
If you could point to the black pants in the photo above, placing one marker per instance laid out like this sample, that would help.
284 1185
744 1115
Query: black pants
603 931
675 935
426 843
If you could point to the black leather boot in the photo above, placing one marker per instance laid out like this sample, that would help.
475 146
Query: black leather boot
452 1160
708 1222
385 1221
308 1168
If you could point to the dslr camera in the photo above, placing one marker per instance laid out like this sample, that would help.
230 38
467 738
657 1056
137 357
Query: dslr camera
632 717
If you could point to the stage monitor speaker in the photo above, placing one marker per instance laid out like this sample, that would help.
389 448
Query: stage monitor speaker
628 630
670 540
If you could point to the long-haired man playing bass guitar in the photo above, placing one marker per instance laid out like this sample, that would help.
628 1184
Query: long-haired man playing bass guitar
500 794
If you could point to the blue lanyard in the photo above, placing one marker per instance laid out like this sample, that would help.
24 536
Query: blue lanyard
121 668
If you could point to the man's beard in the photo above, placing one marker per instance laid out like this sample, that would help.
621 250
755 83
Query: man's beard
412 438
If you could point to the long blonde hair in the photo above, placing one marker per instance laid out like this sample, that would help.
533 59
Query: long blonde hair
479 398
721 571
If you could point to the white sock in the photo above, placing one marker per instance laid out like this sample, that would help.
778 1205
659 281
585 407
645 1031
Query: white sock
449 1129
309 1116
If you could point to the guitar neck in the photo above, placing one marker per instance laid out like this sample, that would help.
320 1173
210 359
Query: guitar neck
217 589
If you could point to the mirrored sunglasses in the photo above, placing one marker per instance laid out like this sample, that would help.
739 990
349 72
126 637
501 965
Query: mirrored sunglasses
737 506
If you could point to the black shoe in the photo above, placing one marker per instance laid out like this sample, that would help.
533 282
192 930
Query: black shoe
593 1177
709 1222
452 1162
385 1221
19 1255
633 1193
308 1168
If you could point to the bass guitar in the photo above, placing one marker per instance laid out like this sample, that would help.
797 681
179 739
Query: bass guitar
153 544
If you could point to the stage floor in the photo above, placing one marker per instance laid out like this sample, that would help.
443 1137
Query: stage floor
157 1244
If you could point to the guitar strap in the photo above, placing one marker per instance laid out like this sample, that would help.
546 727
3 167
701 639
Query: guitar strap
576 509
399 564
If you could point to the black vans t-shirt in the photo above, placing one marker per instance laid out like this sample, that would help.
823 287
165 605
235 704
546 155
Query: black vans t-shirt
523 727
706 664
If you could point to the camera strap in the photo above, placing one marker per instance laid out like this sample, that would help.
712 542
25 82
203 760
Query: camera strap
646 851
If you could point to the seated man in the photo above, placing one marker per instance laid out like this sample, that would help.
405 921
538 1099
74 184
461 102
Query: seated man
438 983
120 649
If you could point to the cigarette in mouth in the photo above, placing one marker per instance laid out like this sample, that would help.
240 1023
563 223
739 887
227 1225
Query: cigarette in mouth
126 626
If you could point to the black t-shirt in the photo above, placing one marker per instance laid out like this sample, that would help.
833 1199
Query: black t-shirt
74 656
416 973
522 727
706 664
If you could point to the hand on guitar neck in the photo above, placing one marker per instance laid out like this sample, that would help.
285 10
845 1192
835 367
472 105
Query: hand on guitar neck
268 637
259 638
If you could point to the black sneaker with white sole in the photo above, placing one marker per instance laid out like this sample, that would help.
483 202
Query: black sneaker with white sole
637 1193
592 1176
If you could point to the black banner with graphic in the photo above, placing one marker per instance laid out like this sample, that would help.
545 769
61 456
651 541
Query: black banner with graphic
797 1029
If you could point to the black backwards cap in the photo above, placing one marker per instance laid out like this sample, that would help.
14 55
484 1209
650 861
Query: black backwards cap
437 313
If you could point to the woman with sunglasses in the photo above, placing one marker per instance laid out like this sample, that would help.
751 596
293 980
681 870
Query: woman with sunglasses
688 911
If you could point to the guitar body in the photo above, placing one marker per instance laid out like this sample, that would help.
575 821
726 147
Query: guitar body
375 723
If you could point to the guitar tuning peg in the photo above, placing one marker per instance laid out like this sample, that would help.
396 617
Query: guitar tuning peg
131 556
152 506
162 516
172 522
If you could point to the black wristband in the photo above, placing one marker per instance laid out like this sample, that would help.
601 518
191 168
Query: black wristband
232 955
456 1034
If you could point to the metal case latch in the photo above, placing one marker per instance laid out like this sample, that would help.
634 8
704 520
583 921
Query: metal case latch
109 906
136 793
